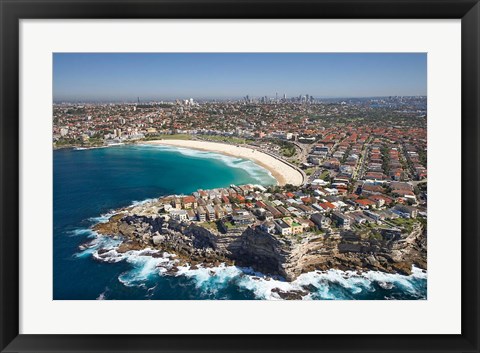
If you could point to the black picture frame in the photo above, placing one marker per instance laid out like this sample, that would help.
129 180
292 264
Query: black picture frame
13 10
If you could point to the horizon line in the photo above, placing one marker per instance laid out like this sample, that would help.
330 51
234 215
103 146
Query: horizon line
156 100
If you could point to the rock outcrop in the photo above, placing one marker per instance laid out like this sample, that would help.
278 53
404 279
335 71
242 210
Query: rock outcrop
270 254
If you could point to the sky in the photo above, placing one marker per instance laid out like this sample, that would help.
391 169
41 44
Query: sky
167 76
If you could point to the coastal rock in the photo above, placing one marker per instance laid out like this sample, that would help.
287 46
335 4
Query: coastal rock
129 246
158 239
251 247
290 295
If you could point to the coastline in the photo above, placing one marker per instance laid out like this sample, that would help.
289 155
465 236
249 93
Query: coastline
248 247
283 173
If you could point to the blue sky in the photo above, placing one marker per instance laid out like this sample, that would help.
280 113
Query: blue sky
164 76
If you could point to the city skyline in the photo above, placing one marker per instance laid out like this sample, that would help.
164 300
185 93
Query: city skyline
167 76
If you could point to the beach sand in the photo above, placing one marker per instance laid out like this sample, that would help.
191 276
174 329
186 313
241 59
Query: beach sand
284 173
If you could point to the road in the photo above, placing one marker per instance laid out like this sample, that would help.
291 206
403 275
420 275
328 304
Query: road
359 169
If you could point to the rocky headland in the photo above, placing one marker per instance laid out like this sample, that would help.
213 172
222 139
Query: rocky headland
142 227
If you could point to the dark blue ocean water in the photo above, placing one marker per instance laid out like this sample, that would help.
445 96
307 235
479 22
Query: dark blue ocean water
91 183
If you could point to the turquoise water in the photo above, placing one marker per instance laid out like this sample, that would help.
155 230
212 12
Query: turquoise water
91 183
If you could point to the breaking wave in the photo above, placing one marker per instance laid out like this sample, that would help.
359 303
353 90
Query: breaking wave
147 267
213 282
262 175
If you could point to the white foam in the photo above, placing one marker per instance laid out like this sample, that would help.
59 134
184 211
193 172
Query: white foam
331 284
102 296
143 202
98 242
81 231
102 218
90 148
262 175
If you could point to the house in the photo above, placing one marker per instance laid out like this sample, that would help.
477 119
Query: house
260 204
240 198
268 216
305 209
219 212
243 217
179 215
319 192
307 200
277 203
201 214
405 211
370 188
225 199
377 217
305 223
330 191
327 206
276 213
210 212
228 208
358 217
283 210
319 182
341 219
189 202
321 221
365 203
259 212
268 226
296 227
177 203
282 227
191 215
317 207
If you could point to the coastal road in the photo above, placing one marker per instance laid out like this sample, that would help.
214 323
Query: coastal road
276 156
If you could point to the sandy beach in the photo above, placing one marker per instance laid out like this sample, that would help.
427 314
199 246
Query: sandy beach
284 173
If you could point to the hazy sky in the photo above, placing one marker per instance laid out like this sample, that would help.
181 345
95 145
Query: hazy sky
162 76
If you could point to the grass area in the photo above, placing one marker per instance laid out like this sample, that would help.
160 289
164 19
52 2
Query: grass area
309 171
402 221
66 142
168 137
229 225
210 225
325 175
288 151
228 139
405 223
92 142
375 236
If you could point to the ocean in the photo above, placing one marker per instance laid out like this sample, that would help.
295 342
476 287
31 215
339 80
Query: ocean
89 184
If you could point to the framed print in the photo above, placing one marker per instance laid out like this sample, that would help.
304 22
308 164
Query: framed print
236 176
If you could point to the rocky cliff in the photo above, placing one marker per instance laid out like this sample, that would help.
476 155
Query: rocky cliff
270 254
